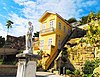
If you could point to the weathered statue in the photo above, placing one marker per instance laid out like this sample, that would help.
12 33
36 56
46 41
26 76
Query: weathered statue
29 38
26 65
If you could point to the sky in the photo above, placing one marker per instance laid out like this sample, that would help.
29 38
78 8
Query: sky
22 11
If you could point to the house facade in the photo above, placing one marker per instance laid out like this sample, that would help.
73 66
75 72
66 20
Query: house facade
53 30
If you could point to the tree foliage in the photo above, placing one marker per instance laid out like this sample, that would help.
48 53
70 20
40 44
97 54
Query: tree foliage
89 66
93 33
90 17
9 24
76 72
71 20
68 72
98 15
84 20
93 38
2 41
36 34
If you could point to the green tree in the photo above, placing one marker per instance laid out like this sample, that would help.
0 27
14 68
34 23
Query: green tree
9 25
71 20
84 20
2 41
36 34
93 33
76 72
89 66
98 15
91 17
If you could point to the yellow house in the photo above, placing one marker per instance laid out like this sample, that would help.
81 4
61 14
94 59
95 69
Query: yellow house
53 31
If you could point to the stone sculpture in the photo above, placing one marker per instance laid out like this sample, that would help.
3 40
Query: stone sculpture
29 38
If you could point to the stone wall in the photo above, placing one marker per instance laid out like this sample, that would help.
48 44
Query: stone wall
15 42
78 32
79 53
8 70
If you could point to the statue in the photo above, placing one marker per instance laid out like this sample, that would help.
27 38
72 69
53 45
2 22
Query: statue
26 65
29 38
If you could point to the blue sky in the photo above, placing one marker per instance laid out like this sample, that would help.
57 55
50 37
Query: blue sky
22 11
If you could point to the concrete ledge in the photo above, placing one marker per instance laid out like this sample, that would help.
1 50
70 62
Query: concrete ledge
28 55
8 69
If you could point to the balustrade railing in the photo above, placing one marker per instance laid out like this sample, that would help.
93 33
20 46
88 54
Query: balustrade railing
45 47
48 30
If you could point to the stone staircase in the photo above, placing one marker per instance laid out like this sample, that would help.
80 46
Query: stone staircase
57 51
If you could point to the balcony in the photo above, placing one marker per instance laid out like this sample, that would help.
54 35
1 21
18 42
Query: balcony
46 47
47 31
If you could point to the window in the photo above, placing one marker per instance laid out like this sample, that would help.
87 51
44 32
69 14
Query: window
64 29
51 23
59 44
41 44
59 25
69 31
49 42
44 26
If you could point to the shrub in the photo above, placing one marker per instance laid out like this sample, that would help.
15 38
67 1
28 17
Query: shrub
68 72
96 74
89 66
76 72
87 75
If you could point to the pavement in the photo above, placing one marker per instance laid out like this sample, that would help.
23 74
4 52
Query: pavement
46 74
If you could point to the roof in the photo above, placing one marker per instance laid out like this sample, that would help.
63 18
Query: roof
49 12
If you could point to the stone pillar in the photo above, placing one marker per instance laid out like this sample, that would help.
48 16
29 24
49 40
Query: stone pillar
21 68
30 69
26 66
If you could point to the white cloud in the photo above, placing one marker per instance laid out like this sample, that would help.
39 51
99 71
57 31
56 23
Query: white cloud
29 4
17 19
19 26
33 10
20 2
66 8
3 31
3 16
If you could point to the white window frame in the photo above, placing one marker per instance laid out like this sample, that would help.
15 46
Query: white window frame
49 42
41 44
51 23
